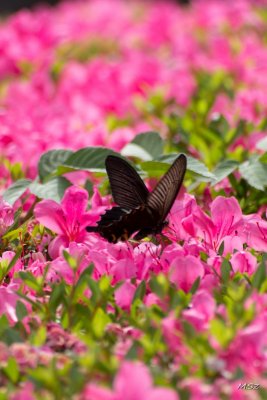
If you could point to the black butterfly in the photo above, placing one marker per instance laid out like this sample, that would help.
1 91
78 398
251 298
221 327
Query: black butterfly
139 210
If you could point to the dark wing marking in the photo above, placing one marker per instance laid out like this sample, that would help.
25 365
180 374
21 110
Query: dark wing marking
128 189
161 199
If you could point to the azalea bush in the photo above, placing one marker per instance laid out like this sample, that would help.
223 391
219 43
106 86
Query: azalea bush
178 316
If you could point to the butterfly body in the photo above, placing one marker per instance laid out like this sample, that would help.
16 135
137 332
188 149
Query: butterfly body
139 210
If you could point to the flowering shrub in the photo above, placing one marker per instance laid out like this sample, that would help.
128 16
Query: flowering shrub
177 316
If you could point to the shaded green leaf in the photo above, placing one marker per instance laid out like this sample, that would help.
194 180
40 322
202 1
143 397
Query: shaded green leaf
50 160
21 310
224 169
140 291
254 172
53 189
150 142
89 159
16 190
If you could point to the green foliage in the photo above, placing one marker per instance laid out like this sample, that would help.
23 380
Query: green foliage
145 146
16 190
49 162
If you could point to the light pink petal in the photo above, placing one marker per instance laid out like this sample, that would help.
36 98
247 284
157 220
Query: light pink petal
202 310
162 394
26 392
8 300
244 262
56 245
181 209
199 225
60 270
226 215
123 269
255 232
132 382
51 215
185 270
93 392
232 243
124 295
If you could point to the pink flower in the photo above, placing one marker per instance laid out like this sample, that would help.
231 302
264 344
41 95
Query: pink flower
8 301
226 221
6 216
133 382
24 392
202 310
248 348
243 262
124 295
255 232
185 270
68 220
60 269
6 258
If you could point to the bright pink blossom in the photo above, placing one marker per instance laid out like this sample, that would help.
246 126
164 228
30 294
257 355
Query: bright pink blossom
243 262
226 221
201 311
185 270
6 216
132 382
124 295
67 219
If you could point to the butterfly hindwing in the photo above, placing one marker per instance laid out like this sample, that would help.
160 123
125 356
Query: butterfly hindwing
162 198
128 189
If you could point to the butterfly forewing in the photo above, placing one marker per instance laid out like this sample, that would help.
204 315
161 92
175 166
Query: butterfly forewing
161 199
128 189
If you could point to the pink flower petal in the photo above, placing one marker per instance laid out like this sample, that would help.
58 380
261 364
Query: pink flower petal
50 214
185 270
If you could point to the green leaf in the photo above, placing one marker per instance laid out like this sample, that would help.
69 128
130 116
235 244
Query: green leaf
50 160
221 249
14 259
225 270
262 144
140 291
70 260
57 297
199 168
53 189
133 150
224 169
21 310
12 370
157 168
221 333
39 336
154 168
30 280
146 146
260 275
89 159
195 286
16 190
99 322
254 172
